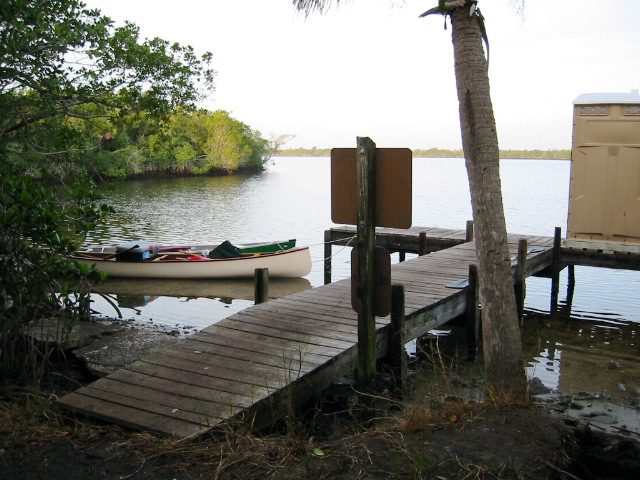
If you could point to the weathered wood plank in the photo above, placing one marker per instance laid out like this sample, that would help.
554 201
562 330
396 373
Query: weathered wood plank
249 370
283 360
242 375
145 400
129 417
316 344
304 328
273 345
222 385
165 384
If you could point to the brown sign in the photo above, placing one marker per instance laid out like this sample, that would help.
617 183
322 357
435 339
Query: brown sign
393 187
382 298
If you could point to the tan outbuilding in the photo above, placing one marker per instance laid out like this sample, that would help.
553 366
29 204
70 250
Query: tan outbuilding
604 195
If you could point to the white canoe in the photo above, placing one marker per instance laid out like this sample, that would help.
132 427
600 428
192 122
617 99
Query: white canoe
289 263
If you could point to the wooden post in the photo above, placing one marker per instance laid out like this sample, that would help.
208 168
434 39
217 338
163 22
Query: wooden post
261 285
571 274
557 242
397 357
571 283
422 243
327 257
366 153
401 256
555 269
469 231
473 312
519 284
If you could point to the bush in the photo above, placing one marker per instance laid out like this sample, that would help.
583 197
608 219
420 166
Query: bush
39 226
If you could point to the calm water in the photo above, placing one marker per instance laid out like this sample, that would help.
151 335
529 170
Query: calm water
598 322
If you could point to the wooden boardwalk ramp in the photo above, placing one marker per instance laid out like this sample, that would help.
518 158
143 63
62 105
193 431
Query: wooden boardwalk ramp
265 358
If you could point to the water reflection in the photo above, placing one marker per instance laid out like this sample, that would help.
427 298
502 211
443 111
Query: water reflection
574 349
577 355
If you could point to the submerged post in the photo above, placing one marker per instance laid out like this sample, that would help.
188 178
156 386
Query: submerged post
366 228
261 285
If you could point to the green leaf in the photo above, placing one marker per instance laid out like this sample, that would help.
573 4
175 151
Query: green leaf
318 451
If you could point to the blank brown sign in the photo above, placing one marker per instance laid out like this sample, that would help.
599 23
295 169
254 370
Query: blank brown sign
393 187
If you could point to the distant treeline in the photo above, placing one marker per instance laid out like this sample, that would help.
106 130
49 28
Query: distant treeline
440 153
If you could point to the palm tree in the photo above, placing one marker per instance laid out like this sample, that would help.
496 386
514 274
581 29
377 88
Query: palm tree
504 369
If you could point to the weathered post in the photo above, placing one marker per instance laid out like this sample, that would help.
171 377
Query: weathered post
555 269
397 357
327 257
366 229
557 243
261 285
422 243
469 231
519 284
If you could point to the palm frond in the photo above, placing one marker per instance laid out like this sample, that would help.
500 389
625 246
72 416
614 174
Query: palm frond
310 6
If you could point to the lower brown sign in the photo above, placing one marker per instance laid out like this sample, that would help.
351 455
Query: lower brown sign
382 295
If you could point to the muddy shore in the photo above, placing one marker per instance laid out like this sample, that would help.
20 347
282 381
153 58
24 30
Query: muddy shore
450 436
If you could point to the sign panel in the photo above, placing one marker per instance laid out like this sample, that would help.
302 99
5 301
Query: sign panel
393 187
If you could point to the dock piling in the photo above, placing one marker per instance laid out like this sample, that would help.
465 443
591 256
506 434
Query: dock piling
327 256
397 356
422 243
469 231
261 285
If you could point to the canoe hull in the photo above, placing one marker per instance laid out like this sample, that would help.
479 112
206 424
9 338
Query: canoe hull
288 264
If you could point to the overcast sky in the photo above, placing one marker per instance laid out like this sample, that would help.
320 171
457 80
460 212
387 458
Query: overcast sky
373 68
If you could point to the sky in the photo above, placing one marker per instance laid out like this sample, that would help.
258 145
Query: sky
372 68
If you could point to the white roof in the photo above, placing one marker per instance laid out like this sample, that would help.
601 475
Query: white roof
607 98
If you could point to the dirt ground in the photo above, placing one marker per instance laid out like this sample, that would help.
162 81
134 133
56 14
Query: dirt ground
440 430
506 444
462 440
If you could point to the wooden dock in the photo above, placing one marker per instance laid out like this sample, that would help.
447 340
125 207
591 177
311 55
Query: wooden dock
261 361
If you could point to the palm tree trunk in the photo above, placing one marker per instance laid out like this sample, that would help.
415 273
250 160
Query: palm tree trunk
501 335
